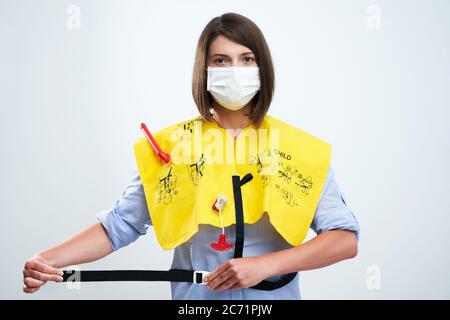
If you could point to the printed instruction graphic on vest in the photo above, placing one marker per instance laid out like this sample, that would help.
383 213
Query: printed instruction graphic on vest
290 176
166 187
287 174
196 169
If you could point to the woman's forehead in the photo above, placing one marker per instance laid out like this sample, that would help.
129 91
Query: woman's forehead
223 45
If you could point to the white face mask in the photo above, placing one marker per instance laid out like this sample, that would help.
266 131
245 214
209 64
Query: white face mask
233 87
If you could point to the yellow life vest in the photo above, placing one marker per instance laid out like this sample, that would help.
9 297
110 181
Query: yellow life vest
288 165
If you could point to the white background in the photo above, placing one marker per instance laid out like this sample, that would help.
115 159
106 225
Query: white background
372 81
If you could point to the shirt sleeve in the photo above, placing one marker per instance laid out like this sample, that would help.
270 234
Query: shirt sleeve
333 211
128 218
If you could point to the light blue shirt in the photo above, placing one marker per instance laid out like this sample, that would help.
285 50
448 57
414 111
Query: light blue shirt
129 218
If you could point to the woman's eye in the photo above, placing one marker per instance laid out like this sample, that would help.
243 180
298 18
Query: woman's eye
219 60
249 59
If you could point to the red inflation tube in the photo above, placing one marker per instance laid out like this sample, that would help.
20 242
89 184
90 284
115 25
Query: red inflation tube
161 154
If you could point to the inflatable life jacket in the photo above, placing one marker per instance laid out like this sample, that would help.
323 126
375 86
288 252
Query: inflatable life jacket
195 172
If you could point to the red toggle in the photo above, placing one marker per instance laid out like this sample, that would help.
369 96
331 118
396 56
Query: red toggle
161 154
222 245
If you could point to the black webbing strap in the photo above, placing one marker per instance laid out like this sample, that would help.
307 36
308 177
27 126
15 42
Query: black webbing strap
172 275
239 241
239 226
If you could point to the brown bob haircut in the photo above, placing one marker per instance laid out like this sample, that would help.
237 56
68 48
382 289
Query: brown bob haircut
242 30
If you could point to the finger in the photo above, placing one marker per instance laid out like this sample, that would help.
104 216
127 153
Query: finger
44 276
216 272
33 283
221 279
25 272
30 290
39 266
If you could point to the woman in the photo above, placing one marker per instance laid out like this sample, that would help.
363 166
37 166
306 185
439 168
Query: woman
236 99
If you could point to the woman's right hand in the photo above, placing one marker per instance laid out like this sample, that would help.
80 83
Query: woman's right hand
37 272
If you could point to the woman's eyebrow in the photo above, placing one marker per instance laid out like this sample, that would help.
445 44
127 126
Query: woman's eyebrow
224 55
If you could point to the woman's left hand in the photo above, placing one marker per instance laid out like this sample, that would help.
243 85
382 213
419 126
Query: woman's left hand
238 273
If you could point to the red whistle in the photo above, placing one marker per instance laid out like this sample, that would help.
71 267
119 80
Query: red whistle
161 154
